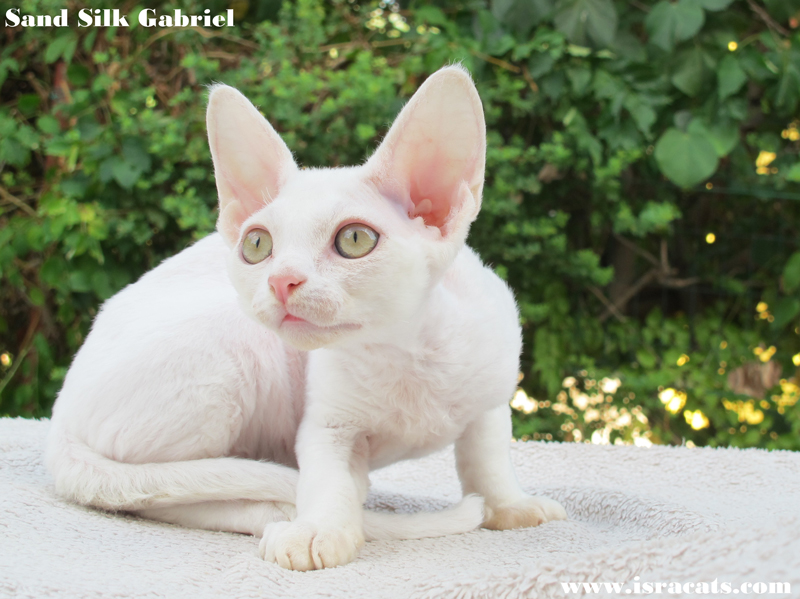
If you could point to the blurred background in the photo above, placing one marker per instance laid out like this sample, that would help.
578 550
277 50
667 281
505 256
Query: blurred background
642 190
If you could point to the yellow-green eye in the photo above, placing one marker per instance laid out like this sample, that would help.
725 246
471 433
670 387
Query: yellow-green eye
257 246
355 241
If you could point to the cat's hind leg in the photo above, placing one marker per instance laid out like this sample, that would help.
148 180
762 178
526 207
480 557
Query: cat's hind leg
242 516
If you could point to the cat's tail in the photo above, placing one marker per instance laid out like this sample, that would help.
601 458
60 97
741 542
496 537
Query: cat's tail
86 477
463 517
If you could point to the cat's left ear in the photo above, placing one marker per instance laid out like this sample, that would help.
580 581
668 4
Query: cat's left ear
251 162
432 160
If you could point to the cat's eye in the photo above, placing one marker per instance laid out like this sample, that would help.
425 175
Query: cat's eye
355 241
257 246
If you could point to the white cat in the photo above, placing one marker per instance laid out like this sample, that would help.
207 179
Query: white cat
337 323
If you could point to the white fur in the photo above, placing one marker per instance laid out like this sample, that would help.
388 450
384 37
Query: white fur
193 400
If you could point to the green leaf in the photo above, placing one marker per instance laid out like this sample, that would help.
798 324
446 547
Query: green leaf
58 147
28 104
723 135
789 86
88 41
61 47
607 86
79 281
53 271
579 78
125 173
791 273
12 152
794 173
128 168
583 21
579 51
495 40
134 152
7 65
670 23
785 310
89 128
730 76
645 358
101 285
432 15
365 131
641 111
106 171
714 5
627 45
28 137
48 124
36 295
686 159
521 15
690 72
78 75
539 64
657 215
75 186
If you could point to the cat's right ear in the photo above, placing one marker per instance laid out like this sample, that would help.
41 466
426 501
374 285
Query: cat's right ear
251 162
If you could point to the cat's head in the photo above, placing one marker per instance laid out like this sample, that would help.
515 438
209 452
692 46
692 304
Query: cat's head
322 256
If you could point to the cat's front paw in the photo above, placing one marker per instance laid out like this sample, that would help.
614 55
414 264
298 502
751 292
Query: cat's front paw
530 511
306 546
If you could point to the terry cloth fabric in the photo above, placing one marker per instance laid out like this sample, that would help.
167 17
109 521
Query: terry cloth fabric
664 514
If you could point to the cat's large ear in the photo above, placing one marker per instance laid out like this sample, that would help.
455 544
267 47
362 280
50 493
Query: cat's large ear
432 160
251 162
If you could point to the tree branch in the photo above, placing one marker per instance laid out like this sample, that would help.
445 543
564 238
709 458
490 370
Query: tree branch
17 202
764 15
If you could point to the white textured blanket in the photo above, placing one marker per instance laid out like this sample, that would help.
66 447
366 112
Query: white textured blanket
672 515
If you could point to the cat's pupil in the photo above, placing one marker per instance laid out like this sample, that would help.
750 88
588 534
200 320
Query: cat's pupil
258 241
355 236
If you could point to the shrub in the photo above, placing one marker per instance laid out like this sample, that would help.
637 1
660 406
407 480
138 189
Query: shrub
641 196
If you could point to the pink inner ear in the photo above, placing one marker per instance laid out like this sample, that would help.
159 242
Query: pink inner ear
432 195
438 173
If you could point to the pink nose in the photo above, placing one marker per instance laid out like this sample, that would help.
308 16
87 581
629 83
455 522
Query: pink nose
283 285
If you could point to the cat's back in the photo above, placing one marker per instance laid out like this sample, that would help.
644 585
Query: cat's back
190 286
186 284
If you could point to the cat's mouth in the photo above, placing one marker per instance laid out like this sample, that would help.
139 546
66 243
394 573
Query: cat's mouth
296 323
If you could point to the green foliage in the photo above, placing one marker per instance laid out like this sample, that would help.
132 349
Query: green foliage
686 158
641 193
670 23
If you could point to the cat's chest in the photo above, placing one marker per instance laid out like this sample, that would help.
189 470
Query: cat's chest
411 405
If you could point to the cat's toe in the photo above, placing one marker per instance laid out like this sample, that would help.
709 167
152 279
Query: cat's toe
524 513
267 545
335 547
552 509
303 546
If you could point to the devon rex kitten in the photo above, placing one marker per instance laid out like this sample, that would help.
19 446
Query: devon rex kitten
337 323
